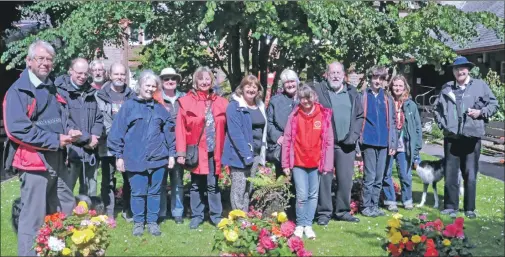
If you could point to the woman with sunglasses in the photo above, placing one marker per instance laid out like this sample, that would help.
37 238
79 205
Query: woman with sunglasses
168 96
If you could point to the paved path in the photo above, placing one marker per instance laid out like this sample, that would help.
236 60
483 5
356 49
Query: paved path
489 166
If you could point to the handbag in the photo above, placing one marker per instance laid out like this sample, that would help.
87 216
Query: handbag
192 151
273 153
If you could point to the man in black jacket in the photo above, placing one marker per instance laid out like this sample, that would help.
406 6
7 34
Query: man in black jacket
84 112
345 102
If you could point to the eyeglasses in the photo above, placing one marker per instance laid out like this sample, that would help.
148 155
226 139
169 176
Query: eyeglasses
169 78
41 60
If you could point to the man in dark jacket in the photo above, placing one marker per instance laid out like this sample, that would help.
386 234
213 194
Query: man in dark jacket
460 111
35 120
347 119
84 112
110 99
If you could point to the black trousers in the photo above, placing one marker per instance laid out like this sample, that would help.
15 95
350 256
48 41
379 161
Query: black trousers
344 170
461 154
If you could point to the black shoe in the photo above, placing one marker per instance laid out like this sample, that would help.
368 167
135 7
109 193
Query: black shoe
323 222
194 223
470 214
347 217
178 220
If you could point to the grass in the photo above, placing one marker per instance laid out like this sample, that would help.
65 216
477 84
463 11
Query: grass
338 238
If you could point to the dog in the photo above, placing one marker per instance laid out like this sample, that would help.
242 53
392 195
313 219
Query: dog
432 172
93 202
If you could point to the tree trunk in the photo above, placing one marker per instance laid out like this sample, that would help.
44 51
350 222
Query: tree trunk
245 48
236 73
255 57
263 59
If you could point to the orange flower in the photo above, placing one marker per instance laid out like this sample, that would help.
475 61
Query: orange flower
276 231
47 218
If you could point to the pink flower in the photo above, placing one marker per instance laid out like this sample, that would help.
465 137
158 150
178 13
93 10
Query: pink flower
459 222
453 230
303 253
287 228
79 210
111 222
92 213
267 243
295 244
70 228
260 250
263 233
422 216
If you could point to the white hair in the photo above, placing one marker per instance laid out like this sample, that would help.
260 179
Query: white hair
40 43
146 75
288 75
95 63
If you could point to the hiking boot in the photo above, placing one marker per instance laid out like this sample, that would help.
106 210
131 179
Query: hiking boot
127 217
309 233
470 214
369 212
138 229
194 223
178 220
378 211
298 231
451 212
393 208
154 229
347 217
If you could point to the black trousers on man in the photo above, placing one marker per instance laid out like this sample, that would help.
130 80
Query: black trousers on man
344 157
463 154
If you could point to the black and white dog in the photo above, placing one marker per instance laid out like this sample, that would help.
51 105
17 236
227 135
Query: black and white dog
431 172
94 203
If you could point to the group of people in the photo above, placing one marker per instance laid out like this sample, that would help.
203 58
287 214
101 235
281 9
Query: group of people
310 132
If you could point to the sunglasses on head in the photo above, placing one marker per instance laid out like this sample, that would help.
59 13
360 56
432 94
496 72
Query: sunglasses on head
169 78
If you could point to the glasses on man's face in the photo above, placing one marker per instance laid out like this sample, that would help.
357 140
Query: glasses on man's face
41 60
169 78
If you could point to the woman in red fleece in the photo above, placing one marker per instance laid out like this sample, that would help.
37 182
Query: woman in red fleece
307 150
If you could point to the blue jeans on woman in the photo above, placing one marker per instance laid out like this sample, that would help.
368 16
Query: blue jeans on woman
307 191
176 194
146 187
405 175
201 184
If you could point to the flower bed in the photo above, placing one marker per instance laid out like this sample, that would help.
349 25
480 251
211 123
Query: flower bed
420 237
251 234
83 234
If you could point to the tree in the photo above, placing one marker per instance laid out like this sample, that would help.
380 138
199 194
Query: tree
264 36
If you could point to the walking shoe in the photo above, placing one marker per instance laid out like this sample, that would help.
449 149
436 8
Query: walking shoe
138 229
408 206
178 220
154 229
126 216
393 208
470 214
347 217
309 233
369 212
451 212
194 223
323 221
378 211
298 231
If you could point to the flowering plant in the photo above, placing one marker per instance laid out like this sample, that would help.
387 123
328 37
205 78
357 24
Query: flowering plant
84 233
252 234
420 237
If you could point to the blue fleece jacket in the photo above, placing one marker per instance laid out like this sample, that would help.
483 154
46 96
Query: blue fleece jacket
375 132
142 135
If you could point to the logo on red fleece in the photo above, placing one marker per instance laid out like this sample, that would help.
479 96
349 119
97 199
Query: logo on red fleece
317 124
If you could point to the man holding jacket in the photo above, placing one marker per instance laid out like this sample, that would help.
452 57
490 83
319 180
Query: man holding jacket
347 119
82 106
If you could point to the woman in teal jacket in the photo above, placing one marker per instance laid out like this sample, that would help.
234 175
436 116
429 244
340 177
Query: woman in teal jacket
408 125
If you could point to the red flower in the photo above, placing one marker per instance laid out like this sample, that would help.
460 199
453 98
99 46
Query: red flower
267 243
405 233
58 224
401 245
263 233
410 246
303 253
422 226
287 228
431 251
423 238
295 244
430 243
254 228
92 213
439 225
61 215
453 230
459 222
260 250
395 251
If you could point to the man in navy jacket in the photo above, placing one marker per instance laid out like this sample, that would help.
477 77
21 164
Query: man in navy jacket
36 123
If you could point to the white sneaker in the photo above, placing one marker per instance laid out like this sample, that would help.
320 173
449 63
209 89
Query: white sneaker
309 233
298 231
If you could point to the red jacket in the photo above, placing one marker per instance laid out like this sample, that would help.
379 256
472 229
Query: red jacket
327 144
308 138
191 121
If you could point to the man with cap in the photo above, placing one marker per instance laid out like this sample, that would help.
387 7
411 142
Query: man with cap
168 97
460 111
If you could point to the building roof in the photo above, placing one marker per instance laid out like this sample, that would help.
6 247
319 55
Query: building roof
486 38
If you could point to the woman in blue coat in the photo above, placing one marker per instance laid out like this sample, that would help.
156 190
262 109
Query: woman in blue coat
142 140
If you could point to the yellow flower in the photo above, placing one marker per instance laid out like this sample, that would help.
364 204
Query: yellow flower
236 213
395 237
405 240
83 204
230 235
89 234
78 237
416 239
446 242
282 217
96 219
92 227
397 216
223 223
394 223
85 252
103 218
66 251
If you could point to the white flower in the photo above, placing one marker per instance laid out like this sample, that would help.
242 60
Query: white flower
85 223
274 238
56 244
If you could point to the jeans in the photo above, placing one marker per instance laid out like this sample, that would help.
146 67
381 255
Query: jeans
87 178
108 186
461 154
307 189
145 195
200 184
405 176
176 194
374 162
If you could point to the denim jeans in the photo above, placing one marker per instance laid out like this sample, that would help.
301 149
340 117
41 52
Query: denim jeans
374 162
108 186
146 187
176 192
307 189
405 176
200 184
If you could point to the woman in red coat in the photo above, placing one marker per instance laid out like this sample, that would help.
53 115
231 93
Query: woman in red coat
201 121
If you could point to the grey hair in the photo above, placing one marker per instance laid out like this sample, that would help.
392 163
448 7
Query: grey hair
118 64
95 63
198 73
287 75
336 63
146 75
306 91
43 44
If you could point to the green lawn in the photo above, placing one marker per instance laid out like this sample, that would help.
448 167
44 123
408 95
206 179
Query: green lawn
338 238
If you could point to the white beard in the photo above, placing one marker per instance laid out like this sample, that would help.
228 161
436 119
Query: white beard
118 83
98 79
